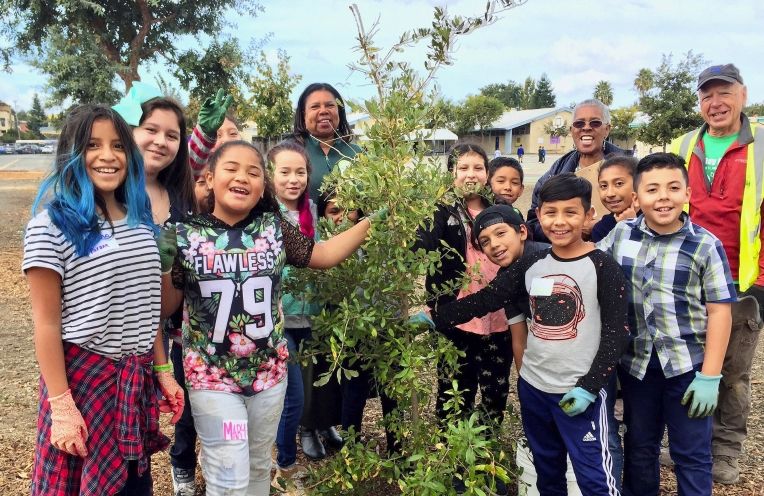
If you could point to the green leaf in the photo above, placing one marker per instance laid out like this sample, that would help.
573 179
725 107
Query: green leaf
222 242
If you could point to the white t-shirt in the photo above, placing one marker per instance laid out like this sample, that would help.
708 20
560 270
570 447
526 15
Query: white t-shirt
110 298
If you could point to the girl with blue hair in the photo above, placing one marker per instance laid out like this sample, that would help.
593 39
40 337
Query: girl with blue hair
92 263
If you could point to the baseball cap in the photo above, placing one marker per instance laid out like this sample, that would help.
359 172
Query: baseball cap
496 214
726 72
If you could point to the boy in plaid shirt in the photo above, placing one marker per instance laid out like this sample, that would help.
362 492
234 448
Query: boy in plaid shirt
680 317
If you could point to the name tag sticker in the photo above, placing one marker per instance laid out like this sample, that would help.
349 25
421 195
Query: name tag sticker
628 249
107 242
541 286
235 430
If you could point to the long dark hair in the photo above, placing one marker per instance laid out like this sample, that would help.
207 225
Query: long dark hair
176 178
74 199
268 203
342 132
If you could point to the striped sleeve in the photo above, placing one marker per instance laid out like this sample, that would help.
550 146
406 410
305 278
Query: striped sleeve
199 147
44 245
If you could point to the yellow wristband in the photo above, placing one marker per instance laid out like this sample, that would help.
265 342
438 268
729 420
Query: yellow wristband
167 367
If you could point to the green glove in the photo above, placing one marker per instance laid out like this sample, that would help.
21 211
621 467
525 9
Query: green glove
380 215
576 401
212 113
421 318
168 249
702 395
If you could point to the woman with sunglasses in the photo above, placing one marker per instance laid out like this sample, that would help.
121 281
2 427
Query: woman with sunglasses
589 129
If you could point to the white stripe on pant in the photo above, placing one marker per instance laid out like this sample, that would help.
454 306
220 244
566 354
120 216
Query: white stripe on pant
241 467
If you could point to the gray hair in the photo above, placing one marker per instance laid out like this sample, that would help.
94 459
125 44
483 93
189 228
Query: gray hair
593 102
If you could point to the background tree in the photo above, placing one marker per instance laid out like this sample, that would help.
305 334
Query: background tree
509 94
543 96
368 326
644 81
37 118
478 111
528 93
562 130
756 109
270 105
443 115
127 32
671 103
78 70
620 121
604 92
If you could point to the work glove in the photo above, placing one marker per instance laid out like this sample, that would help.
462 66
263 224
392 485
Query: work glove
212 113
168 249
379 215
174 400
702 395
68 431
421 318
576 401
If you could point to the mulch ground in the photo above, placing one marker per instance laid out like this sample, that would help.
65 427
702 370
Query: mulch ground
18 369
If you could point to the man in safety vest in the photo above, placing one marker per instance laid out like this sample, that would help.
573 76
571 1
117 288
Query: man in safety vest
725 161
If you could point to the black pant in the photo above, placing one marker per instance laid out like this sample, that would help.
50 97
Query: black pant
135 485
486 366
183 451
355 392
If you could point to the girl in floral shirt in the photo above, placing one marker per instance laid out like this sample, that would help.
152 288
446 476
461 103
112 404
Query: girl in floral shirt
226 267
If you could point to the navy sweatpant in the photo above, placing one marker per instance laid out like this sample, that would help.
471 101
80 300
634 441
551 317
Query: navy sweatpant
552 435
649 406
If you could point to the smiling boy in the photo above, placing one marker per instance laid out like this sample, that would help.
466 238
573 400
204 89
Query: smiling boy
577 303
679 316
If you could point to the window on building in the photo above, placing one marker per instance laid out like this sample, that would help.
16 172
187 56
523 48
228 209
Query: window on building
2 121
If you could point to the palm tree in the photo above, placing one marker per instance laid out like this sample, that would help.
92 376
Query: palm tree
604 92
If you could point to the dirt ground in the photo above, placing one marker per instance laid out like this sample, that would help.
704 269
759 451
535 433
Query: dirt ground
18 369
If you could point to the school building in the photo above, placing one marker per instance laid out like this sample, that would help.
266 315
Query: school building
6 118
527 128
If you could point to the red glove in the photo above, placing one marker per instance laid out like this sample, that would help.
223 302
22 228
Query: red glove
68 431
173 401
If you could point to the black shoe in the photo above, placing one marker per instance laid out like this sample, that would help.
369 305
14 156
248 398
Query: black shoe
458 485
501 488
332 438
311 445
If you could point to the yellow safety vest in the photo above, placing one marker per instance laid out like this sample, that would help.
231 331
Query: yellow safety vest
753 195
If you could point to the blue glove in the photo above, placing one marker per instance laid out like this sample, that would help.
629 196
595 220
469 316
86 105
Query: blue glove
576 401
702 395
422 318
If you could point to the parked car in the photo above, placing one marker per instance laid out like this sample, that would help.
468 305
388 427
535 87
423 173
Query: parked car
28 149
47 149
5 149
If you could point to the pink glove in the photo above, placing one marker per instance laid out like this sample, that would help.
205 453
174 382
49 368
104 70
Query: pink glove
68 431
173 401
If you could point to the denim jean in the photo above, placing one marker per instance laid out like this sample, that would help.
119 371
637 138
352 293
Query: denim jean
237 467
183 450
286 439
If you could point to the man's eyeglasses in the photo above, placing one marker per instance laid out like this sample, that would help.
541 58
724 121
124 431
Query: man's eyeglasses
594 124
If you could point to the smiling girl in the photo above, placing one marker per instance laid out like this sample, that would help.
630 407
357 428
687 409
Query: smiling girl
226 268
93 269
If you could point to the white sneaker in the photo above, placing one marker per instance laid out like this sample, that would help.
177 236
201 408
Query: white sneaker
183 482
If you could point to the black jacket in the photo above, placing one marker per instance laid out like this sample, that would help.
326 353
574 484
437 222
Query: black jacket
566 163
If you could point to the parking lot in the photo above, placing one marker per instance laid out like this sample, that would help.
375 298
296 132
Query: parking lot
37 162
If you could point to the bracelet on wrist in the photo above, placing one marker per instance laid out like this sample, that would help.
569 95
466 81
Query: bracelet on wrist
165 367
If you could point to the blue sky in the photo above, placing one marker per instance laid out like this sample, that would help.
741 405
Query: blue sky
575 42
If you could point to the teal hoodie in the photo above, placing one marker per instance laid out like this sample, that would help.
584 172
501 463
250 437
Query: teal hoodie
297 311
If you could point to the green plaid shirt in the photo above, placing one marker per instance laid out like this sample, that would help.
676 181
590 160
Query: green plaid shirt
671 278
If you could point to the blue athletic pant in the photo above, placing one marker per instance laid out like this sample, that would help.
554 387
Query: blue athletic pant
552 435
650 405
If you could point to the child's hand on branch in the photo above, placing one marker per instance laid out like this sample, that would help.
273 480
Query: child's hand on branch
421 318
168 249
174 400
212 113
68 431
576 401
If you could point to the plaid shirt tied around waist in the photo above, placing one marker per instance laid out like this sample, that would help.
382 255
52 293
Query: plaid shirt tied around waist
118 402
671 278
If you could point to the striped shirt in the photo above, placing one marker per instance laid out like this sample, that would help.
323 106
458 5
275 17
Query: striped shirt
110 298
671 278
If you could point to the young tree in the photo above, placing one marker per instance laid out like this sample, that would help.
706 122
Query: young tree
127 32
78 70
604 92
620 122
671 103
373 295
270 104
509 94
37 118
543 95
478 111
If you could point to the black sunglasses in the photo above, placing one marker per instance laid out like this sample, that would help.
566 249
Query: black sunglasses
594 124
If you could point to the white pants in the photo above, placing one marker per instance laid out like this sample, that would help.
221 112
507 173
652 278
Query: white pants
233 466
